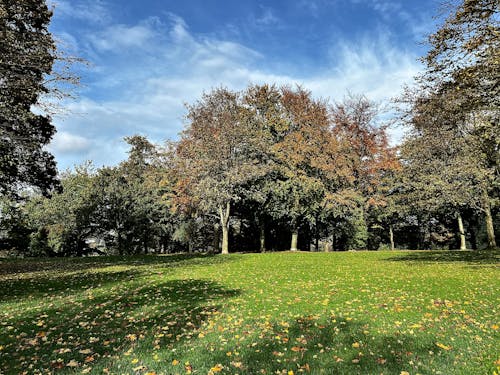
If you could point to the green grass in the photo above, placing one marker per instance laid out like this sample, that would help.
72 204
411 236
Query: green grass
277 313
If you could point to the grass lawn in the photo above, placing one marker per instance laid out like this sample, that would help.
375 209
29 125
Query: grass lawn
276 313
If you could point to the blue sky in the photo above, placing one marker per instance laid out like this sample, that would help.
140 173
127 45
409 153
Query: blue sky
149 57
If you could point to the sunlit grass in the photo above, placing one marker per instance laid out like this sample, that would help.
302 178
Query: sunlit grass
346 313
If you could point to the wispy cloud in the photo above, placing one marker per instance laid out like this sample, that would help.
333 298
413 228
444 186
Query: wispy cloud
267 18
145 92
119 38
93 11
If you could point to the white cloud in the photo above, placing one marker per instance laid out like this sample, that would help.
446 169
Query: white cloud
147 91
94 11
118 38
67 143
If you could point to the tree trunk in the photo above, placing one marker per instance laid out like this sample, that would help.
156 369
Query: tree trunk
145 242
295 239
421 235
224 219
262 237
216 239
119 243
326 247
490 229
316 239
473 234
391 237
461 232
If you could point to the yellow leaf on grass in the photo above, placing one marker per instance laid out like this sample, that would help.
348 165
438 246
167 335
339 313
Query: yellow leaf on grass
217 368
131 337
175 362
443 346
134 361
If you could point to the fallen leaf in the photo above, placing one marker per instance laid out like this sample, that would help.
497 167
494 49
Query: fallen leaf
72 363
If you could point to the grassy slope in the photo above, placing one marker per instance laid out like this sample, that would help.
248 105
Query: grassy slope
346 313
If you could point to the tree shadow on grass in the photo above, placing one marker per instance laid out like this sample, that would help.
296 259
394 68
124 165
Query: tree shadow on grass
10 267
31 279
100 330
329 346
486 257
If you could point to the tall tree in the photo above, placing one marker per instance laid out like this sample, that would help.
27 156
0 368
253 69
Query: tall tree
458 95
218 154
26 58
300 148
363 143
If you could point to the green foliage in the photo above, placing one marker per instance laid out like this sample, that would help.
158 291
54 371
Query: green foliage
66 217
39 244
14 230
451 157
28 53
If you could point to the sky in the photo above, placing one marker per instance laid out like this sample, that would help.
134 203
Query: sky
148 58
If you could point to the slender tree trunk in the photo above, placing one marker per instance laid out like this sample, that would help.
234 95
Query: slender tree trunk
119 243
216 241
461 232
145 242
316 240
391 237
224 219
295 239
262 237
327 247
421 235
490 229
473 234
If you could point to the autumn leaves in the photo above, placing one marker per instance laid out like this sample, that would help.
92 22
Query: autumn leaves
286 154
276 313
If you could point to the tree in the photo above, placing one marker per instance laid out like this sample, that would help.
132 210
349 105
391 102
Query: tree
369 159
64 222
217 155
27 57
440 174
129 211
297 128
458 93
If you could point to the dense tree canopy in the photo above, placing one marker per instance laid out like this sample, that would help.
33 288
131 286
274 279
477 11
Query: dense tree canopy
451 158
27 55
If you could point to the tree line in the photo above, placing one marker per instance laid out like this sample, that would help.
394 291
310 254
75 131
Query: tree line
268 167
